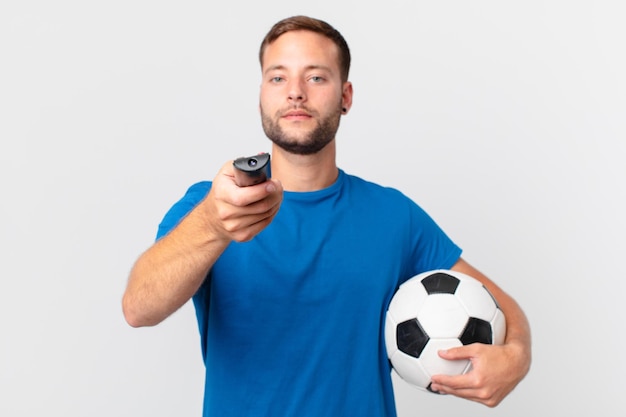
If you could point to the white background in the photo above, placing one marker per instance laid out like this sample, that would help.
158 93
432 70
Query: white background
504 120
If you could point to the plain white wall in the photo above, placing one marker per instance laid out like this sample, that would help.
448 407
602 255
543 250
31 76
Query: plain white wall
505 121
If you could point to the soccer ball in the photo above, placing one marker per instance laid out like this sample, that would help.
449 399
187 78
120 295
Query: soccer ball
437 310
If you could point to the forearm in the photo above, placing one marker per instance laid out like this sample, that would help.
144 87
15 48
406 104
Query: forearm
518 335
169 273
496 370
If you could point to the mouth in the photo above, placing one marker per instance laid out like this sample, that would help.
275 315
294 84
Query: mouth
297 114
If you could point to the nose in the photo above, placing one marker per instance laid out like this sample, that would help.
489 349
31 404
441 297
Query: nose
296 91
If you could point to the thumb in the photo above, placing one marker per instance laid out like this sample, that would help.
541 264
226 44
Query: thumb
273 185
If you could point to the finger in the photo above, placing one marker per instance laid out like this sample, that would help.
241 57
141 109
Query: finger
245 228
460 386
454 381
260 210
455 353
463 352
260 198
466 393
246 196
479 394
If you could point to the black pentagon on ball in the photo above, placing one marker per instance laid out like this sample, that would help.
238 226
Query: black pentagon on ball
411 338
429 388
477 331
440 283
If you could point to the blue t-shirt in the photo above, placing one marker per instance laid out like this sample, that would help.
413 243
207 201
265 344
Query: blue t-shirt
292 322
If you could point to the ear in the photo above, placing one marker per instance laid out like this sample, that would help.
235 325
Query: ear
346 97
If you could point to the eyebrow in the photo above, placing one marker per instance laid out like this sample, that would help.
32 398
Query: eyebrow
308 68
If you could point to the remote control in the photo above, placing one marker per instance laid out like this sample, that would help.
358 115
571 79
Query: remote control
251 170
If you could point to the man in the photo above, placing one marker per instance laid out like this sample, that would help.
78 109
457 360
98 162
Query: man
290 304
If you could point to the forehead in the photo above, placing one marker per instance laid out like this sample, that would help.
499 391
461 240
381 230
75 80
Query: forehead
301 48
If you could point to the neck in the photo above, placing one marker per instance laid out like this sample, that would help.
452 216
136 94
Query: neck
303 173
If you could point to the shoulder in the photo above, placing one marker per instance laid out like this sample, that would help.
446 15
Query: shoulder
394 204
182 207
197 191
194 195
375 191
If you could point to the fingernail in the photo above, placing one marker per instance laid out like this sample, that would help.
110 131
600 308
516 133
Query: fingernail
270 188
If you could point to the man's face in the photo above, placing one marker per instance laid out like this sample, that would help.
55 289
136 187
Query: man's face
302 94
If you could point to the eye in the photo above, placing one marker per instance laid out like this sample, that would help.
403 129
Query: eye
276 79
316 79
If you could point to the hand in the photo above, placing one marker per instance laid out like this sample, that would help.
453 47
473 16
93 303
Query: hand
496 370
240 213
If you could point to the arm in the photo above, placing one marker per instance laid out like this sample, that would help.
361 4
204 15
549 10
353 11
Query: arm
170 272
496 370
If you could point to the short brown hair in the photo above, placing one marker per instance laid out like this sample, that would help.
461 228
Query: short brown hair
313 25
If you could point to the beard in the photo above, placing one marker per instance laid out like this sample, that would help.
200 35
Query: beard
308 143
